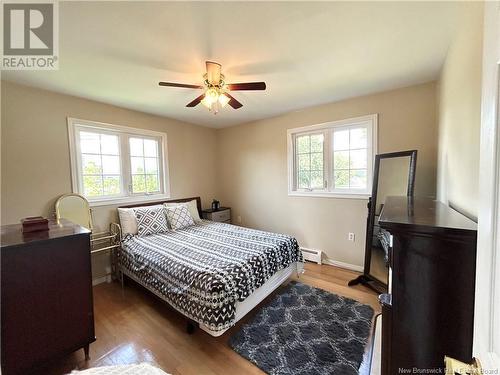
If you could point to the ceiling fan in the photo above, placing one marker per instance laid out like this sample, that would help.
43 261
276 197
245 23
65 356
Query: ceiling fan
216 94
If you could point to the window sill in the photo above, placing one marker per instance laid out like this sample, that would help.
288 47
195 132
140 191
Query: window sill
128 200
362 196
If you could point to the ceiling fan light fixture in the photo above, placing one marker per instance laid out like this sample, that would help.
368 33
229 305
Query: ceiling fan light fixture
223 100
215 96
212 95
206 102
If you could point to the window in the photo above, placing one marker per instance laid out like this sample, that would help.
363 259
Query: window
114 164
333 159
310 161
144 160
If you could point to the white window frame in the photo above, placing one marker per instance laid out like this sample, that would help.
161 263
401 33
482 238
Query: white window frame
370 121
124 133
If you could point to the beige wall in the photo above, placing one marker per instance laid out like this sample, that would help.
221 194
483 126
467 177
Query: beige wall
459 95
35 152
252 168
244 166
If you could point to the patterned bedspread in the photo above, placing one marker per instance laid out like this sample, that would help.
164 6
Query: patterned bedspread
203 270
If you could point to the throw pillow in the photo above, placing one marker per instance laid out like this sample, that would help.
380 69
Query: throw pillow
150 220
179 217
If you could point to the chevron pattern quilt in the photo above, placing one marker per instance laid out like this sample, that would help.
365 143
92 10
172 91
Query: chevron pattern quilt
204 269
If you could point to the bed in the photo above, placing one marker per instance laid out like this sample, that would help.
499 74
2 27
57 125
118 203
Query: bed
213 273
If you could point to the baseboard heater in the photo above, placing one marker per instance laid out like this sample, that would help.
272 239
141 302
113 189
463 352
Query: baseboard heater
312 255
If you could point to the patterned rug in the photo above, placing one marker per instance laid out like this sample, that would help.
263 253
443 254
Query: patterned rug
305 330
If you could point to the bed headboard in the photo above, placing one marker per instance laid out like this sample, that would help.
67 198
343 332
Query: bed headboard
180 200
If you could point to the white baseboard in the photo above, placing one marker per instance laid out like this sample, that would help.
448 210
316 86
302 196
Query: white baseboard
100 280
347 266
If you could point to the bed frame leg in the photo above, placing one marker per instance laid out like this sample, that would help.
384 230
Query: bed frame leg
191 327
121 279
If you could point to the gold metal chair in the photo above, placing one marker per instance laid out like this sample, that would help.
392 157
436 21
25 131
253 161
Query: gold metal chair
76 208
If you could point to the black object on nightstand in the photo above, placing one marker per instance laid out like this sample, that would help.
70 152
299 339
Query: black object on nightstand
221 215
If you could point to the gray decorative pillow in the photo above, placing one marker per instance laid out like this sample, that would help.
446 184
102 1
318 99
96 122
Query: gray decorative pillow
150 220
179 217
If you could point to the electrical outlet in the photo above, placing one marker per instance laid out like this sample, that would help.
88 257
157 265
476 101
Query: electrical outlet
238 219
351 237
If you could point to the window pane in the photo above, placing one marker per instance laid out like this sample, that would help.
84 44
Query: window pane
89 143
91 164
136 147
304 162
152 184
317 143
341 160
358 179
150 147
109 144
358 159
341 179
92 186
317 161
111 185
137 165
138 183
110 165
303 180
317 181
151 165
341 140
358 138
303 144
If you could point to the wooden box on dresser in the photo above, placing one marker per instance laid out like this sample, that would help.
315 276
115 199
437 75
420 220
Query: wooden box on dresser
46 299
428 310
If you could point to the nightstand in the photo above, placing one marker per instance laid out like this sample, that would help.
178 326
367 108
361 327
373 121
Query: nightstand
222 215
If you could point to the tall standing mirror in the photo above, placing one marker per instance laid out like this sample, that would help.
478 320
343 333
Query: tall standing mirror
394 174
75 208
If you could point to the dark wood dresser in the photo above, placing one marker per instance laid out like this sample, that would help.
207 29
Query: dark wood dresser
46 299
428 311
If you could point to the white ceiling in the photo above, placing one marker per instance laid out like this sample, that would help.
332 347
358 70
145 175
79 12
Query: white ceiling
307 53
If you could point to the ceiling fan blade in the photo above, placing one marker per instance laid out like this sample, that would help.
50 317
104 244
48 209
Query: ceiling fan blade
233 102
246 86
195 102
213 72
183 85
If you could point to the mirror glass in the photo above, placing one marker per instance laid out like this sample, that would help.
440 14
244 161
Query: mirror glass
75 208
392 180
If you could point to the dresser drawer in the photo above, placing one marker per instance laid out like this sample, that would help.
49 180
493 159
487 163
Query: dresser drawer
221 215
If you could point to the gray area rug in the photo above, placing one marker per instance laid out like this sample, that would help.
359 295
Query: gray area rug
305 330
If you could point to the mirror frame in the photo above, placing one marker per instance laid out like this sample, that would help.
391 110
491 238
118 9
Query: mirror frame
366 278
87 207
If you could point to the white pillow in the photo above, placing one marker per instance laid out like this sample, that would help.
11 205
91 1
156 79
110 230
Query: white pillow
191 206
179 217
128 222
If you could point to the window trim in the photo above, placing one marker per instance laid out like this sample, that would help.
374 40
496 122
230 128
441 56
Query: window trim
103 127
292 191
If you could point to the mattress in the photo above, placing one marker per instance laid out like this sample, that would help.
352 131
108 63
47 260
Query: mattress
205 269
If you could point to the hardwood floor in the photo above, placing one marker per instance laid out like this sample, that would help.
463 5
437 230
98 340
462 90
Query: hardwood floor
133 326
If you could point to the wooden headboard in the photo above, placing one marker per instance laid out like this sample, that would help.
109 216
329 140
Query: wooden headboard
180 200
